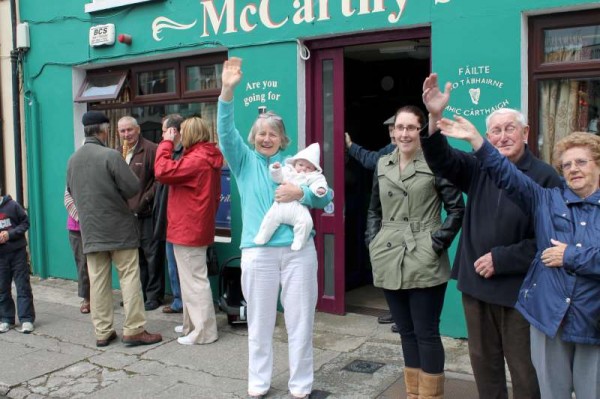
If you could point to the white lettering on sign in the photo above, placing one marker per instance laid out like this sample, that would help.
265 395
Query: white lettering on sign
479 85
231 19
261 92
102 35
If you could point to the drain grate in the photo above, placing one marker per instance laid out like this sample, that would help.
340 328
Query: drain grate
318 394
363 366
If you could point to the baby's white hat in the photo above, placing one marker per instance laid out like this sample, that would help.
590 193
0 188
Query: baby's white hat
312 154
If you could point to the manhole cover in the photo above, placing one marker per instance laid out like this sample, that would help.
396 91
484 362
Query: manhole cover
364 366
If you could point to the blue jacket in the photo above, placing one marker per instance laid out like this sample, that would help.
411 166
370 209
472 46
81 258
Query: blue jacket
256 188
13 219
565 297
368 159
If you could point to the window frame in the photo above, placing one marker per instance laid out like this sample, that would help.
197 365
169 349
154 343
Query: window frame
204 61
122 74
152 67
540 71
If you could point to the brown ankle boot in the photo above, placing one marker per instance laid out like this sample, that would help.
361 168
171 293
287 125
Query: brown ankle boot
411 381
431 386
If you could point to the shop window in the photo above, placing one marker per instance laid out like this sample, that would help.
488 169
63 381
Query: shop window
201 78
156 82
564 78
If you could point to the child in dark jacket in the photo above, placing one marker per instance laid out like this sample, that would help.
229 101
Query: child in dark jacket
13 266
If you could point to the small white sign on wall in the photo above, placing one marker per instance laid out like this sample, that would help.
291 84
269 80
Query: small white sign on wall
102 35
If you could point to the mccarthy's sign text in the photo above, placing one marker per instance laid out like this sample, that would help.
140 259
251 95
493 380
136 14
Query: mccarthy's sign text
232 17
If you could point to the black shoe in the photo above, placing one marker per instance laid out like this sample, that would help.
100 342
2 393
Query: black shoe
121 304
385 319
151 305
101 343
394 328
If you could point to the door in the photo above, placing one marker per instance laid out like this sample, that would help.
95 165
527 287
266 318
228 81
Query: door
326 126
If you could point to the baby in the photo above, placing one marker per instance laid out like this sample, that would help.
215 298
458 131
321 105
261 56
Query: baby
302 169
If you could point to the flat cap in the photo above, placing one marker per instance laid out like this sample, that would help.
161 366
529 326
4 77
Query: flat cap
94 118
390 120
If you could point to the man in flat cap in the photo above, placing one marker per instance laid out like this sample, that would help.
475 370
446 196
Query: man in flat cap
100 183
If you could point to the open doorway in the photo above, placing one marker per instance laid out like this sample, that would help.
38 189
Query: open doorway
379 78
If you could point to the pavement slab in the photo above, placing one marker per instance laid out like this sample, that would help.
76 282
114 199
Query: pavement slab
60 359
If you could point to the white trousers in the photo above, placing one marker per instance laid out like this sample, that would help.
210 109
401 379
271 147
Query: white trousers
564 367
264 269
291 213
199 321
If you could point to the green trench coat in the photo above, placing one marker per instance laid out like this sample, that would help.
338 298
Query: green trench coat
407 240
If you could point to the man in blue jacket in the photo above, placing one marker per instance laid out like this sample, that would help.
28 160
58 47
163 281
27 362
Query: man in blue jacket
368 160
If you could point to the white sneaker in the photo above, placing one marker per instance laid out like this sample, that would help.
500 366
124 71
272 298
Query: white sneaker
27 328
185 340
178 329
4 327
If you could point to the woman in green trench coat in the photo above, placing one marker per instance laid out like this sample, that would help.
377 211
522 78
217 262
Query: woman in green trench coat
408 245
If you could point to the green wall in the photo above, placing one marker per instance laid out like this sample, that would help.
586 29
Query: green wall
483 38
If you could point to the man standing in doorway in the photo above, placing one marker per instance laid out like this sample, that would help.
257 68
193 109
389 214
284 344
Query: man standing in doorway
368 160
139 154
496 246
100 183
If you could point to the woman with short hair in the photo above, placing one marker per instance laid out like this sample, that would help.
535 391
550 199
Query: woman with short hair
560 295
266 268
194 193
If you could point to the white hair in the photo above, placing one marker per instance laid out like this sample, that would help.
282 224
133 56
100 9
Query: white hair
503 111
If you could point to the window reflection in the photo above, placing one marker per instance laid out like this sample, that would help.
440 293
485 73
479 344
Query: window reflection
156 82
572 44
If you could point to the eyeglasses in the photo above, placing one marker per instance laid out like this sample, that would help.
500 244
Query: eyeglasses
497 131
580 163
408 128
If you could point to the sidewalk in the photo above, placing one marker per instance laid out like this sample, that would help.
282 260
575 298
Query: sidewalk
354 358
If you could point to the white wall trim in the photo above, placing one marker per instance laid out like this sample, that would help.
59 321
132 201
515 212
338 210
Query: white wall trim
99 5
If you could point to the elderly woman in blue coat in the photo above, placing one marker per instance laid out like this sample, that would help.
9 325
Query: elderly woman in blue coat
560 296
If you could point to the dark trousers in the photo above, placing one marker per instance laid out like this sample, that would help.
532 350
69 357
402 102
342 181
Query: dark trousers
497 332
417 312
152 262
14 266
83 279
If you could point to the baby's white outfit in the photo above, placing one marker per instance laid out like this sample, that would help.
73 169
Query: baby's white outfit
293 213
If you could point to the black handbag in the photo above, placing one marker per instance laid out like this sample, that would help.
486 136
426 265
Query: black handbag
212 262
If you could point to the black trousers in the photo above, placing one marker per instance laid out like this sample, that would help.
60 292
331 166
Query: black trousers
417 312
152 262
496 333
83 278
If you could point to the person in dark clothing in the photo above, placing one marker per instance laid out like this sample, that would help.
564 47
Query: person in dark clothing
368 160
139 154
14 266
496 247
160 217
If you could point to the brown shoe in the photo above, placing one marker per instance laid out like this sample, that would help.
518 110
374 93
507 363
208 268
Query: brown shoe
143 338
100 343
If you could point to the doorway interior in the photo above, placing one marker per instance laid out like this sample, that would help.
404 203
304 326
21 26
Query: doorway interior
379 78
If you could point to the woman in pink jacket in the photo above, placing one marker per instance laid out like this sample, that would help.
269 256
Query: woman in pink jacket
194 190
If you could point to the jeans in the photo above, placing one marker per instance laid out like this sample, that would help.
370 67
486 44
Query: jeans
14 266
174 277
417 312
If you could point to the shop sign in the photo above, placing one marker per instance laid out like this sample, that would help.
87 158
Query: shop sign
482 90
231 19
